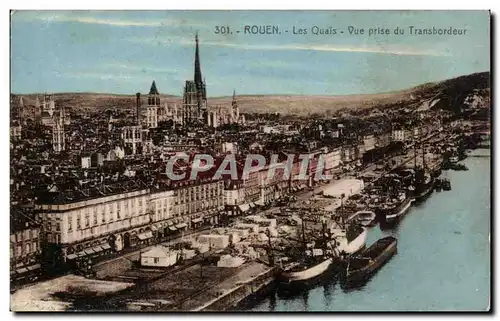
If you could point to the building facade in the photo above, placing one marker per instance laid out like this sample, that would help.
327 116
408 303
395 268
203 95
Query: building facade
25 251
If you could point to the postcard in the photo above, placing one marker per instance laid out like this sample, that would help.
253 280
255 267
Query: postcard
271 161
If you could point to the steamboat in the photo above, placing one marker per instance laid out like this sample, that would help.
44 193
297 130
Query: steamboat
395 208
312 262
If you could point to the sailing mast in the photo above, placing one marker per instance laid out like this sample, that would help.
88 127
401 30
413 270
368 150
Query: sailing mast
303 234
415 152
270 248
423 155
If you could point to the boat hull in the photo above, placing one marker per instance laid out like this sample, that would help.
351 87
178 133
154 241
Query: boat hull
422 196
355 245
361 275
307 275
399 213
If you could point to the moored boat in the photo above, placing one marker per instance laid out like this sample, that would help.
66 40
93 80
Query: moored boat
396 208
424 188
305 271
446 184
365 218
311 262
361 267
350 239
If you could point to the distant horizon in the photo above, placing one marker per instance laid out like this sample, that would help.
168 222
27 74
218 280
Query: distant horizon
243 94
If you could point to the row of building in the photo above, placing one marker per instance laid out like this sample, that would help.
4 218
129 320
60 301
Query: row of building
77 223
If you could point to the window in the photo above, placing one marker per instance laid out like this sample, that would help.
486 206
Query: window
58 227
70 224
156 260
19 250
87 220
95 218
78 225
28 248
118 214
35 247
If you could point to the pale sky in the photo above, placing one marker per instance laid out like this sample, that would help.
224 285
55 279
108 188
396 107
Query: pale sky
124 51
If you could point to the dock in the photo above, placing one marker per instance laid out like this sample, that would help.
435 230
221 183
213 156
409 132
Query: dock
190 287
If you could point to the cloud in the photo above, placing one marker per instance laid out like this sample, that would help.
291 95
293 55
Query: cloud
386 49
102 21
140 68
96 75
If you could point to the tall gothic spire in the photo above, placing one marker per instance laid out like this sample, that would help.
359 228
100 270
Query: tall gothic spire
153 90
197 68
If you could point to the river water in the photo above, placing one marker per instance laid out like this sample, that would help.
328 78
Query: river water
443 260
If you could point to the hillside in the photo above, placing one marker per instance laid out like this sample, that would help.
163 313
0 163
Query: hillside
452 91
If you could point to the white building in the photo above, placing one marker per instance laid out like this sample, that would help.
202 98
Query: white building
332 159
369 142
15 132
58 138
132 137
215 241
159 256
401 135
161 205
85 161
151 116
84 225
229 147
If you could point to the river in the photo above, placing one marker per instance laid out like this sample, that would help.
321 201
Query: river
443 260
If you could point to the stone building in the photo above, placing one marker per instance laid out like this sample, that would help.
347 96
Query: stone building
25 248
153 107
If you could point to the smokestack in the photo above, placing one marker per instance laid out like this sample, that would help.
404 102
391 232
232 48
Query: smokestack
138 108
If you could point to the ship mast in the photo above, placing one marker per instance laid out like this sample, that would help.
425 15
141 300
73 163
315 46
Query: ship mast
304 243
270 248
423 155
415 152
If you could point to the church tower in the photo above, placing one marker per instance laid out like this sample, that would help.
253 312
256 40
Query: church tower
58 134
198 80
195 94
152 107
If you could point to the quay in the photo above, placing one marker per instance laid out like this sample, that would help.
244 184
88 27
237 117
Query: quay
197 284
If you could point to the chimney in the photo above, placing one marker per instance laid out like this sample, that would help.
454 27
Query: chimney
138 108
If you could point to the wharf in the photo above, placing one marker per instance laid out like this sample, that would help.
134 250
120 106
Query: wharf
196 287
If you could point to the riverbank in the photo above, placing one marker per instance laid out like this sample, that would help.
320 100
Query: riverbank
443 260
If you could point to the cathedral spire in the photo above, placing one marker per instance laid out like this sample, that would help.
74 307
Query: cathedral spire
154 95
153 90
197 68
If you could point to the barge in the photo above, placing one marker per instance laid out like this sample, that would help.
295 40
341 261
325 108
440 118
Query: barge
361 268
